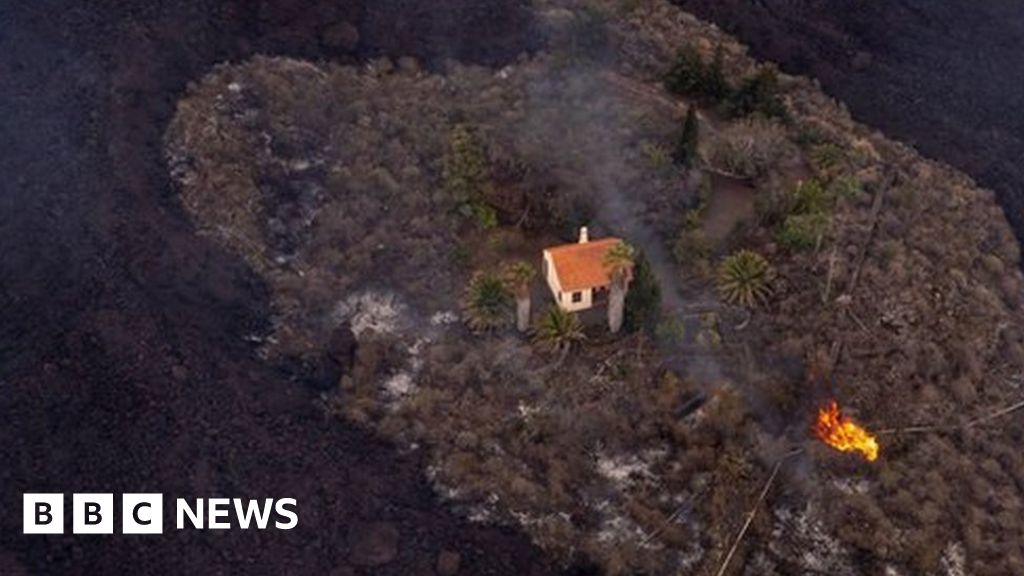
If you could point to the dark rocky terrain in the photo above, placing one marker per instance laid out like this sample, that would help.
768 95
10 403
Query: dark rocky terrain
942 76
124 360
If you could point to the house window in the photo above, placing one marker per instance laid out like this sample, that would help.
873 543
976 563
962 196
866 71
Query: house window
577 297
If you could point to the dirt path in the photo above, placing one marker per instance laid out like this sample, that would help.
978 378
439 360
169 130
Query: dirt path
124 360
731 202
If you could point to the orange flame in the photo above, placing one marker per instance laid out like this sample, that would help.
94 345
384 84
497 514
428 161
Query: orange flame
843 434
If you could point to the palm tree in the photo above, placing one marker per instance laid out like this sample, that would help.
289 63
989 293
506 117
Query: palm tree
618 261
518 276
486 303
558 330
744 278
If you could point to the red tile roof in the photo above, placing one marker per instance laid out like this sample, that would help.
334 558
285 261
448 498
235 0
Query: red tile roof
581 266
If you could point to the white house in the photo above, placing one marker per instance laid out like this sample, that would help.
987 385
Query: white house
576 273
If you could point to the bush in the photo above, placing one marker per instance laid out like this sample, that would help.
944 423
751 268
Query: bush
844 187
716 86
672 330
758 95
749 147
810 197
588 37
827 160
691 246
694 217
807 215
657 156
686 76
689 76
802 231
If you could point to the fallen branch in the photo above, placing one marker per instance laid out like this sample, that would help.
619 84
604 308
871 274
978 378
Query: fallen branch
951 427
746 320
857 320
672 518
831 270
876 209
753 510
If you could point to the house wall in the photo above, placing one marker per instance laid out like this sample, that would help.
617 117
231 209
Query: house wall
565 303
586 301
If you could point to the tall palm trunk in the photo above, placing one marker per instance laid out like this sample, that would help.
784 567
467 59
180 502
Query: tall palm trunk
616 304
523 310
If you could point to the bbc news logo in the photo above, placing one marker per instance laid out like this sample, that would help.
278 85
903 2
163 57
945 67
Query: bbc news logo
144 513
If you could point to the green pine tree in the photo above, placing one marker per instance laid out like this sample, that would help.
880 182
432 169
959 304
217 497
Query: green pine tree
643 300
685 152
467 176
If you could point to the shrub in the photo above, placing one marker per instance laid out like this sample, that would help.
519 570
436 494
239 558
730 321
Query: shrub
672 330
827 160
772 205
657 156
588 37
802 231
744 278
691 246
485 216
844 187
716 86
693 217
758 95
806 219
686 76
487 303
709 335
810 197
690 76
749 147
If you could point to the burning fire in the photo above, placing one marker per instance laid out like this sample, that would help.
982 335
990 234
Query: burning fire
843 434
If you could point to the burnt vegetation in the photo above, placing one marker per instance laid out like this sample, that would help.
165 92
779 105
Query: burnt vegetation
810 257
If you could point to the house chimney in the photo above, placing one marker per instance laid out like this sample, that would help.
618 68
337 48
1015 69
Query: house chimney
584 236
